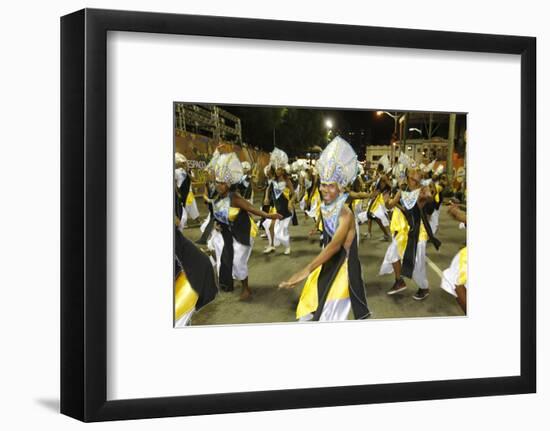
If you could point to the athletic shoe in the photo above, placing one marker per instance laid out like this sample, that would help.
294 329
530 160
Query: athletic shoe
397 287
269 249
287 251
421 294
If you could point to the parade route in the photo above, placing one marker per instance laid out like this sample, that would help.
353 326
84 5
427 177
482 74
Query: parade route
271 305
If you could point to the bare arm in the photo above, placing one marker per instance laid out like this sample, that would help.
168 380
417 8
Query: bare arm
345 224
240 202
394 201
361 195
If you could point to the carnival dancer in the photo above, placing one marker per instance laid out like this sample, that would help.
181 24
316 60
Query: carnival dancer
334 284
377 210
209 195
236 230
194 279
437 188
455 278
406 255
182 175
283 203
245 184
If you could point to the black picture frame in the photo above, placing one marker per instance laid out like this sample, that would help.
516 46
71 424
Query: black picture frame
84 214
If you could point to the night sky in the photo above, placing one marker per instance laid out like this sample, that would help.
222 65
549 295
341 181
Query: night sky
366 127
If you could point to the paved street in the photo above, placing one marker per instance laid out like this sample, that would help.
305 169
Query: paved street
270 304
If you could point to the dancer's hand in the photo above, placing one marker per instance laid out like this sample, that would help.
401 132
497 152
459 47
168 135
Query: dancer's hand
275 216
295 279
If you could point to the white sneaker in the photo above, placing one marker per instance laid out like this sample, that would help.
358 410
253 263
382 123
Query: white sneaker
287 251
269 249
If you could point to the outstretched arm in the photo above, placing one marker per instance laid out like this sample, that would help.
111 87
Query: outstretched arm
345 224
394 201
242 203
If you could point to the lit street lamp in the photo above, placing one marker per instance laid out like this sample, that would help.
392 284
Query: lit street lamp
394 136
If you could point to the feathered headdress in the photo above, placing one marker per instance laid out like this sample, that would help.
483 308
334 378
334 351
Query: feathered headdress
338 163
228 169
278 158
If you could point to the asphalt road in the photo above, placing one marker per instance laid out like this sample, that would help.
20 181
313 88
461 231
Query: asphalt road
270 304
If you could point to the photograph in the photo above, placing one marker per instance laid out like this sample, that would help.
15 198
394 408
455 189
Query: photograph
288 214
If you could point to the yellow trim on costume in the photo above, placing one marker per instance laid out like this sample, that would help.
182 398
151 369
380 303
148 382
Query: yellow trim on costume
340 285
438 190
233 213
338 290
462 267
253 228
399 224
308 298
190 197
185 297
377 202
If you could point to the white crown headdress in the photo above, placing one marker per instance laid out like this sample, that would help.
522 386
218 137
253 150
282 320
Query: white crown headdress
278 158
338 163
179 158
228 169
211 166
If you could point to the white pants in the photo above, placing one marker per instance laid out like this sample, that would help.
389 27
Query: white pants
419 272
241 254
280 230
337 309
434 221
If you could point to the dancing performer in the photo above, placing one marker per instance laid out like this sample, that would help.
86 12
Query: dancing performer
236 230
194 279
209 195
334 284
455 278
283 203
245 184
185 191
437 188
377 208
406 255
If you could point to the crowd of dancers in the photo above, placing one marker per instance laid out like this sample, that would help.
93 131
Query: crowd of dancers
338 195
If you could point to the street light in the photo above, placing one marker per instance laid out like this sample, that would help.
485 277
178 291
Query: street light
328 123
394 136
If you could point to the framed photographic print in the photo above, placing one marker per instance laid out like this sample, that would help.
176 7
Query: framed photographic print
262 215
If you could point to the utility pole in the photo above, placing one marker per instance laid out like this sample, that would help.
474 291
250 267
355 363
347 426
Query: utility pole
451 147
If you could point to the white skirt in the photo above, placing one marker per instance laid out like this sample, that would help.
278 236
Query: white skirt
185 319
241 254
450 277
281 233
192 210
381 213
419 272
337 309
434 221
205 223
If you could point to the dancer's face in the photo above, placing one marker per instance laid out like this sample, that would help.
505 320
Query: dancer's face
222 188
330 191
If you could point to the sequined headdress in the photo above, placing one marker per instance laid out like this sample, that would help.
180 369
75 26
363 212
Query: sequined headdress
338 163
278 159
179 159
228 169
211 166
